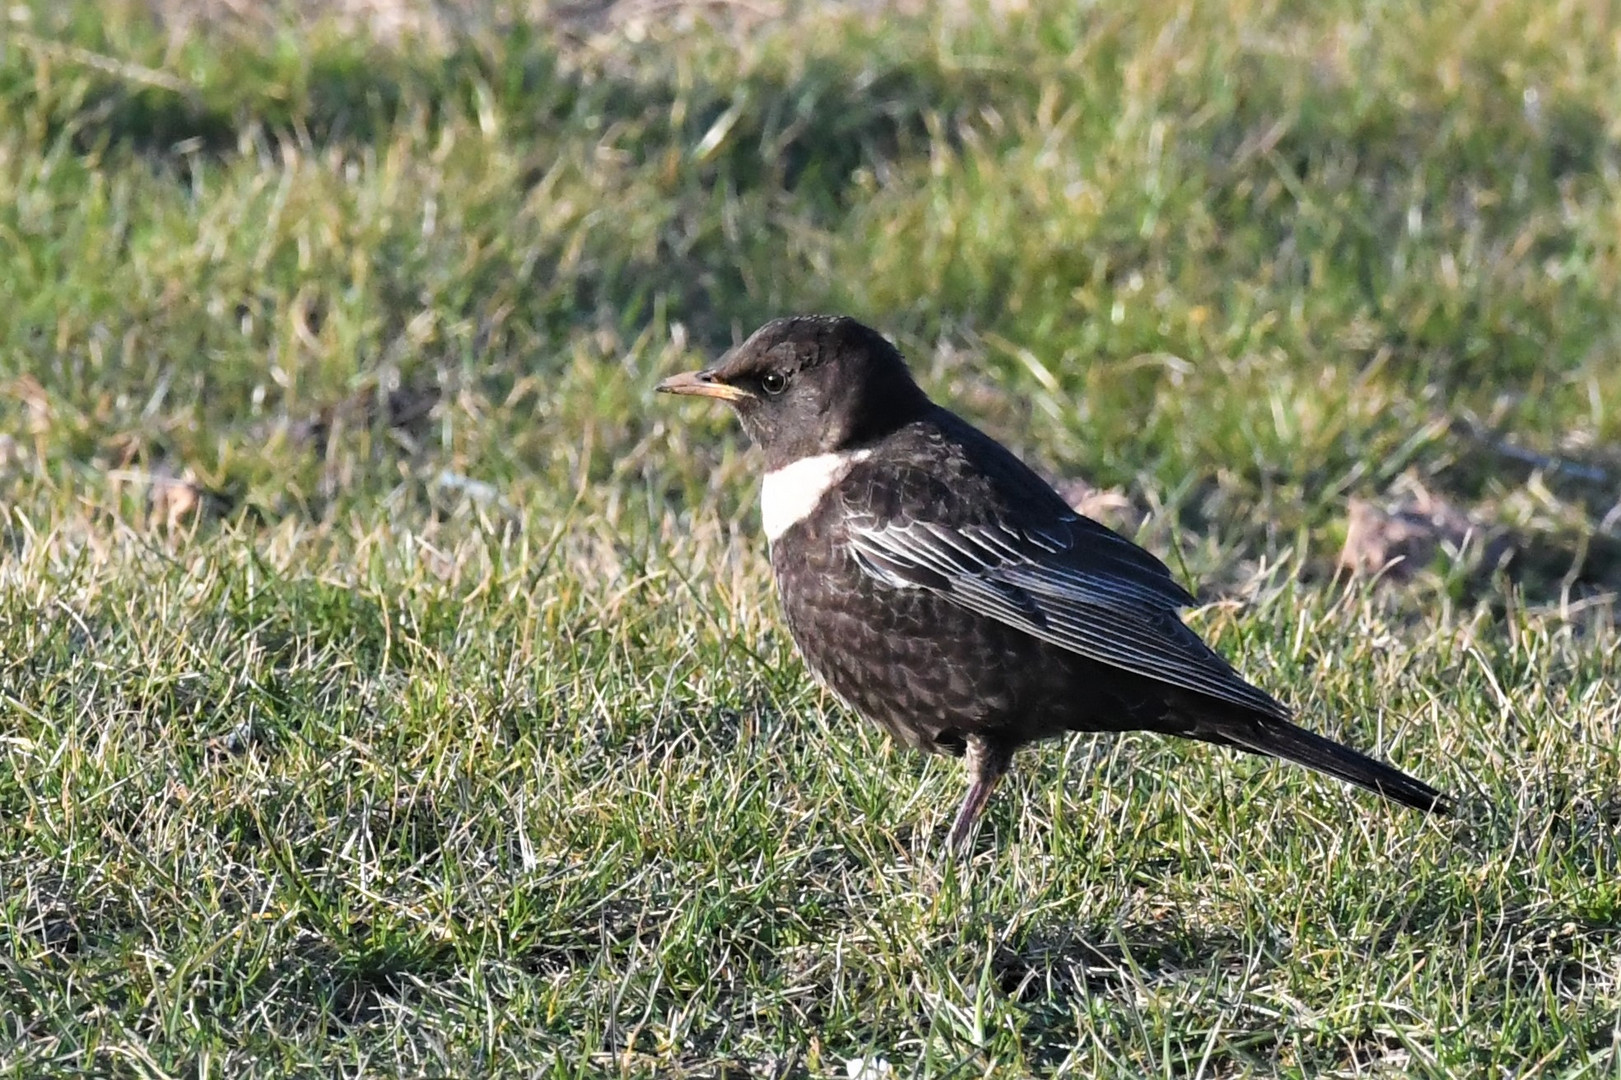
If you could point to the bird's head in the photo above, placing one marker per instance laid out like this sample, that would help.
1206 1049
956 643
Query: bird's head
811 384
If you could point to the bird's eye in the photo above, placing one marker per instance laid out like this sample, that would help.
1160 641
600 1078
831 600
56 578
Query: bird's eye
773 382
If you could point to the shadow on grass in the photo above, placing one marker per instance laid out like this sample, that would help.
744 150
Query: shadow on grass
1059 974
806 130
1048 968
733 131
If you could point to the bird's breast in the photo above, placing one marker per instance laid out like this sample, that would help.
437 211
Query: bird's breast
793 492
920 667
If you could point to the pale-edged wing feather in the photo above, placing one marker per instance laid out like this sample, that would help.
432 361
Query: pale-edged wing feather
1062 583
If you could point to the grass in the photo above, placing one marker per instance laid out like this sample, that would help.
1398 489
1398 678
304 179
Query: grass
391 686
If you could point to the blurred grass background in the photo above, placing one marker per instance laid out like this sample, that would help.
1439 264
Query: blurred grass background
391 686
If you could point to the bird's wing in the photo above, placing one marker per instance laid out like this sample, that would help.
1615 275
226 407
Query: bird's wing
1078 588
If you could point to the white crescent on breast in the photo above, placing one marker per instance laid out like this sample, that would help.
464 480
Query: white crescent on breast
790 493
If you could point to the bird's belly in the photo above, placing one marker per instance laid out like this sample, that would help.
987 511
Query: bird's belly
924 669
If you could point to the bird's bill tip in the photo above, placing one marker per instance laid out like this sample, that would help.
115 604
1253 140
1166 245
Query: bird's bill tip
701 384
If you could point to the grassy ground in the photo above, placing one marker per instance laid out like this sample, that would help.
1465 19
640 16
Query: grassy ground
391 686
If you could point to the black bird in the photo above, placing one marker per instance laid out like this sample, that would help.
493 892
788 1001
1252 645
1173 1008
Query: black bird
945 592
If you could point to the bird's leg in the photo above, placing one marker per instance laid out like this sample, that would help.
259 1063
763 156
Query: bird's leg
986 763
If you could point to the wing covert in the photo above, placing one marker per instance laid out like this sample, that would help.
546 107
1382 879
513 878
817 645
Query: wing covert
1058 584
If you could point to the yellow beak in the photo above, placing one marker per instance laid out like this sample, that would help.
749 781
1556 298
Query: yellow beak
701 384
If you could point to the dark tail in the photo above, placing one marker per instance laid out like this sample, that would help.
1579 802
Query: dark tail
1281 739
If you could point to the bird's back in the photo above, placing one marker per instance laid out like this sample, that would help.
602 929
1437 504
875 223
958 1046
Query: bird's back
926 668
